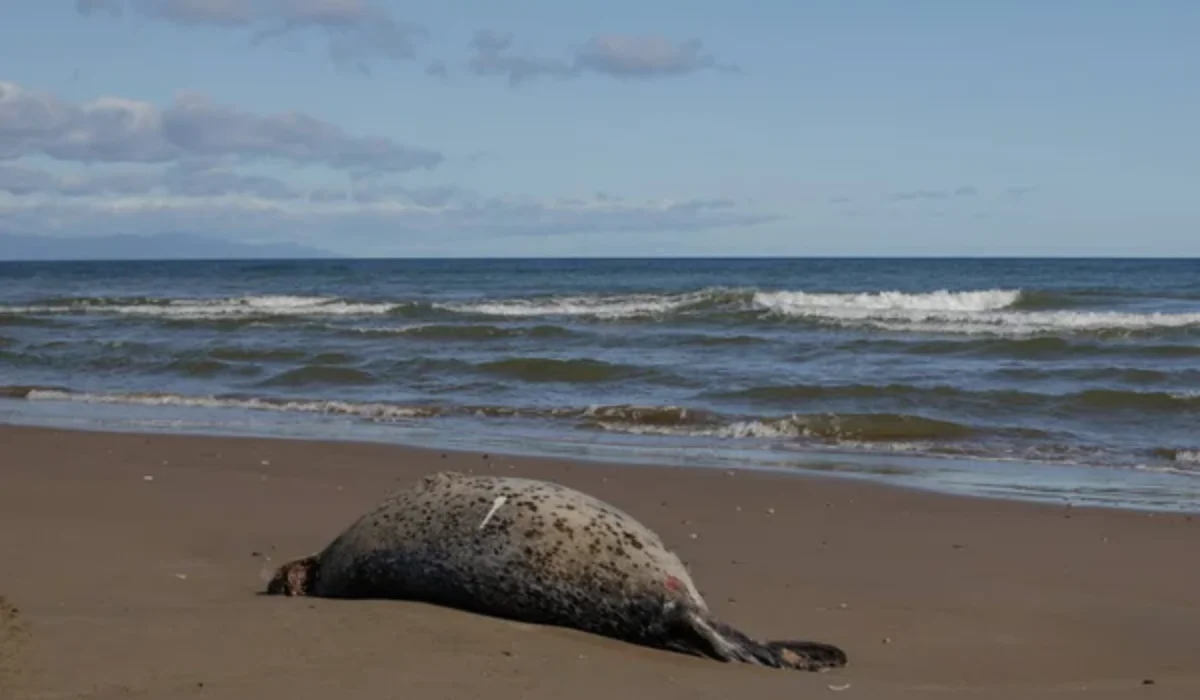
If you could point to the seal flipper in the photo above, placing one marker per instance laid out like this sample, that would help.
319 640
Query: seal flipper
702 635
807 656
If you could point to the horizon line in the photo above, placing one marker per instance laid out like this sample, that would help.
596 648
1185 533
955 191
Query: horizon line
349 258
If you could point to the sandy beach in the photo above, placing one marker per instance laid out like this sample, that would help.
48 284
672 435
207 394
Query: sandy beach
132 566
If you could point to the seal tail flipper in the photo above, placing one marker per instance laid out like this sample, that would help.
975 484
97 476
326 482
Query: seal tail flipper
807 656
708 637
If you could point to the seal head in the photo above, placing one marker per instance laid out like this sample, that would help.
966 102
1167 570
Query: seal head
294 578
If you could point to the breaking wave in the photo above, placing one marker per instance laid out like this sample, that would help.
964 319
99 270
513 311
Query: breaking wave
1188 458
883 304
949 397
995 311
369 411
227 307
872 427
1003 312
465 332
598 306
624 417
874 432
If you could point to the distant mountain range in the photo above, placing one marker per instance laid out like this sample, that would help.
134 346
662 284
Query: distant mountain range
163 246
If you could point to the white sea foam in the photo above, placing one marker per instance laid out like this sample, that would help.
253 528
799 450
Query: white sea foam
1188 457
976 312
390 330
1179 471
230 307
883 304
610 307
972 312
789 428
369 411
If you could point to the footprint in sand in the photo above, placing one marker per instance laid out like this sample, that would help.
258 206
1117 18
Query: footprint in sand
13 637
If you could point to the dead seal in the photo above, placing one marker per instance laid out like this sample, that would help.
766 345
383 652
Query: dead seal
535 552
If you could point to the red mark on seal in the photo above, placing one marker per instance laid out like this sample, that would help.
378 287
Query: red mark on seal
674 584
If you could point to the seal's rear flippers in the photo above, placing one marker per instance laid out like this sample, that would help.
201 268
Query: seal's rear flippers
807 656
704 636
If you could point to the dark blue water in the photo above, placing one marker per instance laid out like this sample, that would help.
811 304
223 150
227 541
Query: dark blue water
1075 379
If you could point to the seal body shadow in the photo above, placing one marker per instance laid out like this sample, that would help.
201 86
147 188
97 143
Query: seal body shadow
535 552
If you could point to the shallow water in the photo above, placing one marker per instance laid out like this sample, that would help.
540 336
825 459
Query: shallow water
1075 379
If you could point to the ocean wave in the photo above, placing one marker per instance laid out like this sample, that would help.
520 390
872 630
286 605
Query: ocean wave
1111 323
147 359
628 414
12 316
1003 312
318 375
598 306
867 427
674 420
449 331
1037 300
1158 469
539 369
957 399
208 368
1032 348
627 417
883 304
1188 458
22 391
370 411
281 305
1108 374
790 393
873 432
255 354
66 361
725 299
1166 401
827 427
993 311
717 339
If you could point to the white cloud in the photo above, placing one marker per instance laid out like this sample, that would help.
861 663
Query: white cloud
629 56
185 179
117 130
355 31
116 165
622 56
358 31
357 225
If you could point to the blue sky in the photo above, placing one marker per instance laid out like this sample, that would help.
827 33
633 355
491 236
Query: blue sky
859 127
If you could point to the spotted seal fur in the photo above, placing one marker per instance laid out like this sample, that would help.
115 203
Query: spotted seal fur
535 552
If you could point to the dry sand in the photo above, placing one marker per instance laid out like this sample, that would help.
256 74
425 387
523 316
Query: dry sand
131 566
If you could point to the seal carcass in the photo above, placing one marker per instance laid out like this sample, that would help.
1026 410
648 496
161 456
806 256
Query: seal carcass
536 552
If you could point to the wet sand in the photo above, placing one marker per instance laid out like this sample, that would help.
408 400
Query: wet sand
131 566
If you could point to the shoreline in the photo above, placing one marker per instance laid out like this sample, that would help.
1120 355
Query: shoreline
1054 484
431 450
129 586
